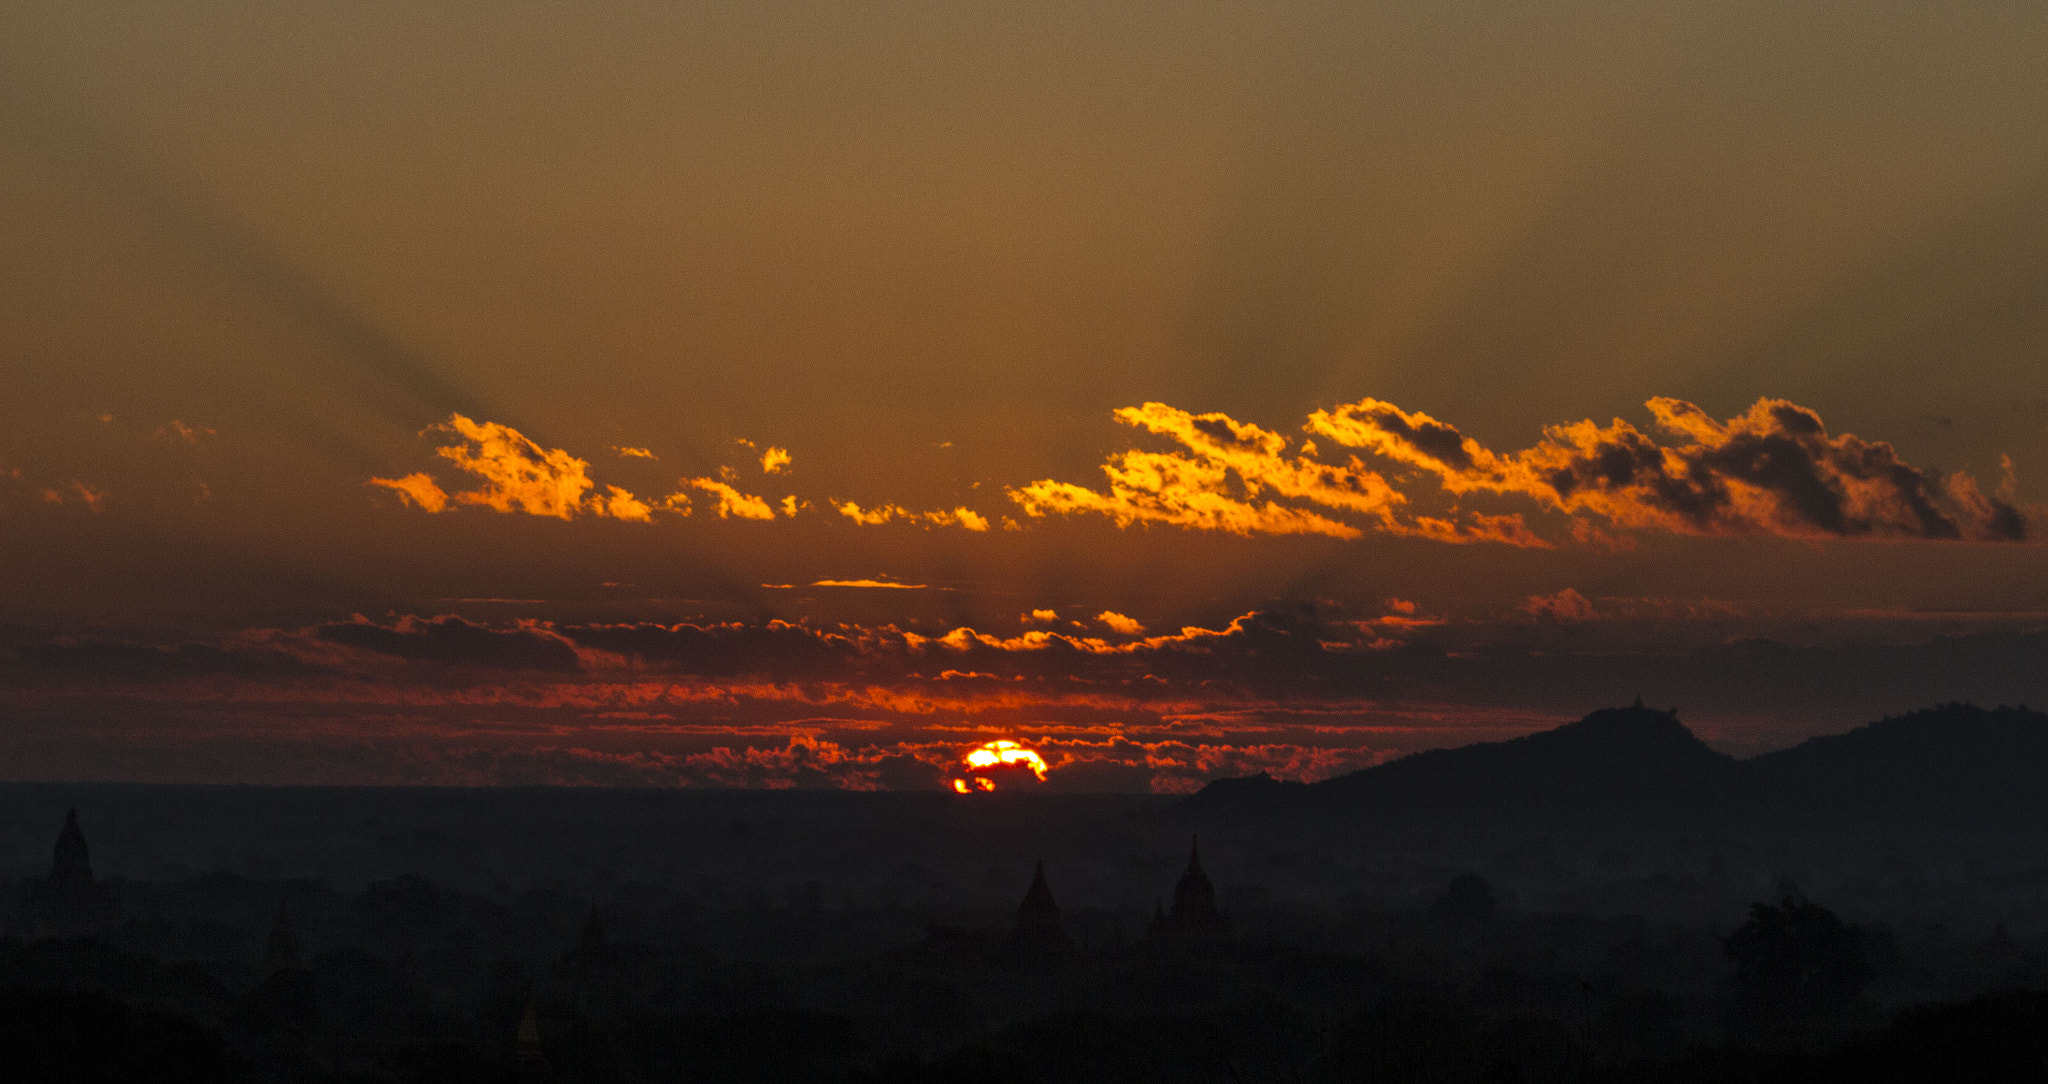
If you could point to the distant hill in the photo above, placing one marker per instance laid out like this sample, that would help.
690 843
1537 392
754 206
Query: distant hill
1637 765
1940 764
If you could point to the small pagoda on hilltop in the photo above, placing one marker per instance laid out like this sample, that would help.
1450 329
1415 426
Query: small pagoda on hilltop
1194 919
70 902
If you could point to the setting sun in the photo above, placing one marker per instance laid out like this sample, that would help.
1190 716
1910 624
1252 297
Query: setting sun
990 760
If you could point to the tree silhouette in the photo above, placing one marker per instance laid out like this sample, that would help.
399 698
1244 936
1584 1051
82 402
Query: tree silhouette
1797 966
1466 901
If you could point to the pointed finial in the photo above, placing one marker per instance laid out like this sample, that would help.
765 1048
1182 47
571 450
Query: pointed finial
529 1022
1195 854
1639 700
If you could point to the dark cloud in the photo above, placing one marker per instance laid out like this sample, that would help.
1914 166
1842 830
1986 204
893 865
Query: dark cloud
1773 470
1303 692
729 650
1429 436
453 641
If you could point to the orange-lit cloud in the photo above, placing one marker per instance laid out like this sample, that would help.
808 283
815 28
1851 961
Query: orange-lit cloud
774 459
619 504
871 517
633 453
731 502
177 430
1150 487
1119 623
517 475
1198 491
958 517
1774 470
92 497
418 490
516 472
867 583
880 514
1566 605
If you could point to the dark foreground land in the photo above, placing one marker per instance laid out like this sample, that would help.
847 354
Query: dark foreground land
1608 901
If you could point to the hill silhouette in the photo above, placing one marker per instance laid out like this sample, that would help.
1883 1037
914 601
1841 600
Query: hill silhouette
1953 765
1957 763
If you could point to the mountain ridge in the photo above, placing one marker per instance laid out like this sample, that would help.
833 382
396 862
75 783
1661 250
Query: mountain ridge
1950 762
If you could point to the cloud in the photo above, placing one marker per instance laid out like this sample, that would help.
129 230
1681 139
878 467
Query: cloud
517 475
958 517
516 472
450 640
1197 491
1231 466
1120 623
177 430
620 504
1149 487
1040 616
876 516
731 502
1303 693
866 583
94 498
1773 470
774 459
871 517
1567 605
418 490
633 453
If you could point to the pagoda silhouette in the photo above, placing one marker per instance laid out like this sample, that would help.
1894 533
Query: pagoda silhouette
281 948
587 969
529 1062
70 902
1194 919
1038 937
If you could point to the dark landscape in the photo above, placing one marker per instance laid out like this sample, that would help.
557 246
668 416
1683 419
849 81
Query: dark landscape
1610 900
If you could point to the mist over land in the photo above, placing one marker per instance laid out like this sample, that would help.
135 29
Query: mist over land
1582 903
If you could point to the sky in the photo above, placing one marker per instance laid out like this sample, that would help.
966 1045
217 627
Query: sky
802 394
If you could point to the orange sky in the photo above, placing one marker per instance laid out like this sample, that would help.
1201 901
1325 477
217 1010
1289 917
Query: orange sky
1454 368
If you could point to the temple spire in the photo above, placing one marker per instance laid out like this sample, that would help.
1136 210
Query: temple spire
70 901
281 950
1038 939
72 864
1194 917
529 1063
1038 917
